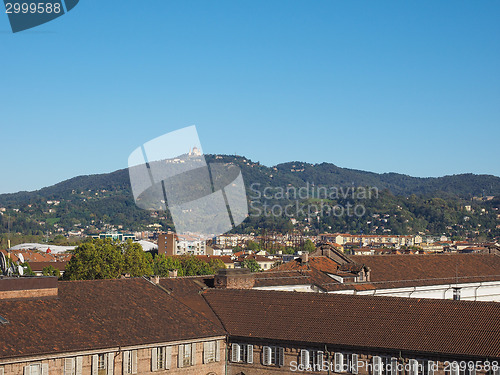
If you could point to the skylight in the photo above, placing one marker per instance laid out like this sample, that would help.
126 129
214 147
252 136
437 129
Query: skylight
3 320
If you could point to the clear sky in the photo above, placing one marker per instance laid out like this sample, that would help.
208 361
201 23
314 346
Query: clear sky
386 86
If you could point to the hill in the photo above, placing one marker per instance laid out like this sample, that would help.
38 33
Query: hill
455 205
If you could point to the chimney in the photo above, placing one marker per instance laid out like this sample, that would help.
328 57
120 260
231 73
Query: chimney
28 287
155 279
172 273
304 258
234 278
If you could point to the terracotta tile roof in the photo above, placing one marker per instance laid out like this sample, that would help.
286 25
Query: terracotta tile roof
39 266
426 267
98 314
207 258
459 329
320 263
188 291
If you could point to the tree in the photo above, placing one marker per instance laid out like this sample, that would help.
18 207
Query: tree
51 271
251 264
96 259
135 261
309 246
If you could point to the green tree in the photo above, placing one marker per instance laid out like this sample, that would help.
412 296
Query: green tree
96 259
309 246
135 261
251 264
51 271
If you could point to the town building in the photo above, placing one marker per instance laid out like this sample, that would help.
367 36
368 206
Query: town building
221 325
175 244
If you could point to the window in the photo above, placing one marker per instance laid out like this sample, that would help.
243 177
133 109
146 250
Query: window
186 355
377 365
36 369
456 294
2 371
353 363
103 364
394 366
242 353
211 351
273 355
73 366
161 358
451 368
311 360
339 362
130 362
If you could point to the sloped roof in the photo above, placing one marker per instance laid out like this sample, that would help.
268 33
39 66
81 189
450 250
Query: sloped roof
98 314
320 263
427 267
459 329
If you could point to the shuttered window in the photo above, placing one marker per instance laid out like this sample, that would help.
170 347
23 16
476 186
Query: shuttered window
187 355
209 349
339 362
73 366
377 365
160 358
36 369
273 355
130 362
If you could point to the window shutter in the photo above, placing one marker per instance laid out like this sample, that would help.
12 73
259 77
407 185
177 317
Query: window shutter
354 364
154 359
249 353
27 370
1 371
110 365
429 367
266 355
205 352
304 357
69 366
281 357
339 362
95 361
126 359
394 366
168 357
45 369
180 355
217 351
235 353
377 365
79 365
414 367
134 361
319 359
193 354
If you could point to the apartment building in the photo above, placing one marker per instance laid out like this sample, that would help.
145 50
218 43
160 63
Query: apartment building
175 244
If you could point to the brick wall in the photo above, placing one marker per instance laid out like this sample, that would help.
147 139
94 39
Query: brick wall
56 366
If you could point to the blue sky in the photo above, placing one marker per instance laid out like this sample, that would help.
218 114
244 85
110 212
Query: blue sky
385 86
